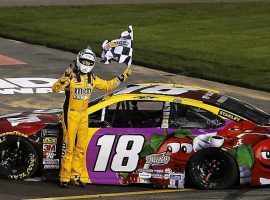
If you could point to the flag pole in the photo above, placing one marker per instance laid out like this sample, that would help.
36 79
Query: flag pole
131 28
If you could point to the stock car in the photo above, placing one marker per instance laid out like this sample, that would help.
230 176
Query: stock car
167 135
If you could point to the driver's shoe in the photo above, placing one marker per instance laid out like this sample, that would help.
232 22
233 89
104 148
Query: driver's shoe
76 181
63 184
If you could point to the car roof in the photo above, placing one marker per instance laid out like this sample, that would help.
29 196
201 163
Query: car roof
175 90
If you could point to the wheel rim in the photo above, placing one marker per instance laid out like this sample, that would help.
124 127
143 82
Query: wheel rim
212 169
16 157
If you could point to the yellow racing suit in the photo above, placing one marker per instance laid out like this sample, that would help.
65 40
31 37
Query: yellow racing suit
75 118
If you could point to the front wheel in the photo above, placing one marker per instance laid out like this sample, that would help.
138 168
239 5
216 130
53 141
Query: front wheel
213 168
18 157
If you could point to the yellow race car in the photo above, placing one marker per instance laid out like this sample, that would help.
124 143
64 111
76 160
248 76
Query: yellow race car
168 135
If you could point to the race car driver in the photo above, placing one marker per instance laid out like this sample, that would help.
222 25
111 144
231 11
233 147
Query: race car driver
78 84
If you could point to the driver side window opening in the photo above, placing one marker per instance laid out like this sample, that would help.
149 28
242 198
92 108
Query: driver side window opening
184 116
129 114
94 119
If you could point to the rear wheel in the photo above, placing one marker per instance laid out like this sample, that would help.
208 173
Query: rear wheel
213 168
18 157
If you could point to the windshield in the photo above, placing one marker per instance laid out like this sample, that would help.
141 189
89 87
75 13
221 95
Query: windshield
244 109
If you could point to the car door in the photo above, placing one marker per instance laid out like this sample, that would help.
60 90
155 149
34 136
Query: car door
122 134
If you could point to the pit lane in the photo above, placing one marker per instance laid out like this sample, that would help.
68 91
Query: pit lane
43 62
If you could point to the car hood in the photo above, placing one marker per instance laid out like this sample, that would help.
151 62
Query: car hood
29 122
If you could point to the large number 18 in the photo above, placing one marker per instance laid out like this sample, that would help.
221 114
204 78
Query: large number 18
126 157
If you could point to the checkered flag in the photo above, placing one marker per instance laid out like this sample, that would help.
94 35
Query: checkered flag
119 50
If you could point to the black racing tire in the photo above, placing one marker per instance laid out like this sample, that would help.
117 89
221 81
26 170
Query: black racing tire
18 157
213 169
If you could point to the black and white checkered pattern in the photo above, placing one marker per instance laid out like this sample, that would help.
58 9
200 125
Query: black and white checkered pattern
119 50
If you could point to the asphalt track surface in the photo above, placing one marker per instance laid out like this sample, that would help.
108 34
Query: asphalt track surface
25 60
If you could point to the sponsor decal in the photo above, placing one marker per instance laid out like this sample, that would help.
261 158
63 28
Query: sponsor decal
166 117
19 176
165 114
144 175
13 133
49 133
156 89
50 111
175 176
167 107
143 97
50 140
165 123
31 163
145 170
49 147
158 171
166 176
15 121
49 154
51 166
207 95
177 180
49 161
157 176
168 170
222 99
229 115
26 85
157 159
29 169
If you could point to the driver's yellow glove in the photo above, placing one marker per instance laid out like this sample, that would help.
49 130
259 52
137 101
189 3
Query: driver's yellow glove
127 72
67 75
